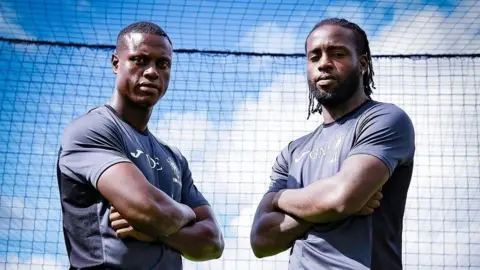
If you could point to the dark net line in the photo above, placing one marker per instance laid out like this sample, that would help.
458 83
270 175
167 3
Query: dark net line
231 115
215 52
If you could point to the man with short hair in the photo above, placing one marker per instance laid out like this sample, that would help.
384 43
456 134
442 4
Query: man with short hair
128 199
325 185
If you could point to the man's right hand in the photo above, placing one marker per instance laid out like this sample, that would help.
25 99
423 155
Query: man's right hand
124 229
372 204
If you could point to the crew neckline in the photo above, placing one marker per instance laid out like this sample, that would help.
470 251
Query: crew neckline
144 133
348 114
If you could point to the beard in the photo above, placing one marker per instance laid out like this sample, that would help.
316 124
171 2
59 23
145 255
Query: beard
344 91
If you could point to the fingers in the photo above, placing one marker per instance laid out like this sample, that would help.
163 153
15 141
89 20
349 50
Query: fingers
115 216
120 224
377 196
131 232
366 211
125 232
372 203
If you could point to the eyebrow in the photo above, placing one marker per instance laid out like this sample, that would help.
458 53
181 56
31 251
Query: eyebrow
329 47
163 57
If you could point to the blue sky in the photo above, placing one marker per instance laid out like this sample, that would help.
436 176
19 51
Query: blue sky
230 115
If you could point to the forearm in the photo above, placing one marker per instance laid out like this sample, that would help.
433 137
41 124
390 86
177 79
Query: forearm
161 219
207 239
317 203
275 232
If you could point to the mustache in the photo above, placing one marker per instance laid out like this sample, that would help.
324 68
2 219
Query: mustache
325 76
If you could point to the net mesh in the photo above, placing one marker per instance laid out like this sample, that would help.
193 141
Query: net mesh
237 96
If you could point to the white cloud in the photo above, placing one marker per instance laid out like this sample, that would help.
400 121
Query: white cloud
430 31
8 27
36 262
268 38
188 131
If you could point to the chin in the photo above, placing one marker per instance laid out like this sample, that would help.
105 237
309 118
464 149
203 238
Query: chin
327 88
145 102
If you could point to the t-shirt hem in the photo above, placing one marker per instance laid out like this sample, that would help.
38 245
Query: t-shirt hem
379 156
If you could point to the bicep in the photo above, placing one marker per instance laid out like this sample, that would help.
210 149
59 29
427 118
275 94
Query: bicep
360 177
127 189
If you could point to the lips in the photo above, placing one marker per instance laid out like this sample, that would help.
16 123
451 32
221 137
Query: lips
150 85
325 80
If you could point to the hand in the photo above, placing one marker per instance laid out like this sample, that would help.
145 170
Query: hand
372 204
124 230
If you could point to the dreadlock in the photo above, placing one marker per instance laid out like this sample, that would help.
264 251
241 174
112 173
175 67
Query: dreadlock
362 47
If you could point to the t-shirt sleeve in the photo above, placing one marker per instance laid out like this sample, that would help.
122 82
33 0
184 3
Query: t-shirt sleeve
387 133
191 196
89 146
279 175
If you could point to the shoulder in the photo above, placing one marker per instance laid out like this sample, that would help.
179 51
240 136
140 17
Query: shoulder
96 122
385 110
385 115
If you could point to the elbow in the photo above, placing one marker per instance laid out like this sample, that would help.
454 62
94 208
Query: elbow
213 245
260 246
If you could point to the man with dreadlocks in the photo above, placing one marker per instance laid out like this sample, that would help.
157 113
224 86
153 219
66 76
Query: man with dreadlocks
324 197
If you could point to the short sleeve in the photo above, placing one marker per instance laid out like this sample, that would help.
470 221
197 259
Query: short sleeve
191 196
386 132
279 175
90 145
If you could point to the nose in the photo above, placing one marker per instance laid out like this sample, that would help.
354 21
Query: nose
151 73
325 63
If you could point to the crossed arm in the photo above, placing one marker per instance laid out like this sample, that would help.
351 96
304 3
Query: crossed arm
284 216
142 211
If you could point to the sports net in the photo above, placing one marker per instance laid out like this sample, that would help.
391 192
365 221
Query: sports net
237 96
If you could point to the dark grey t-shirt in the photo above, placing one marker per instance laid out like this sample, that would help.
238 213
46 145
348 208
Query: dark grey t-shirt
357 242
92 143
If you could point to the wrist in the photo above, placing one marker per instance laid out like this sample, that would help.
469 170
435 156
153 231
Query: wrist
276 199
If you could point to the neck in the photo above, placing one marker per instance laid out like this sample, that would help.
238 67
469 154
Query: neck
137 116
332 113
